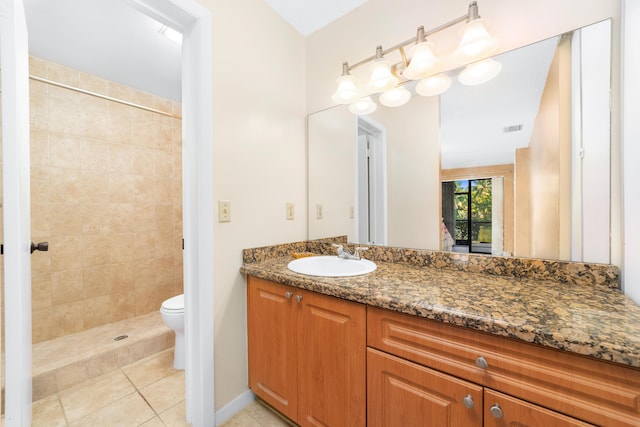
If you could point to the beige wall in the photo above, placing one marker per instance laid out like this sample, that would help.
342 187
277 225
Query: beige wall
259 160
106 195
332 136
549 164
413 146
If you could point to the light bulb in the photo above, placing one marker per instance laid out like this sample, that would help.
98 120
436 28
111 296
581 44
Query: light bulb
434 85
381 78
476 42
480 72
395 97
363 106
347 91
423 62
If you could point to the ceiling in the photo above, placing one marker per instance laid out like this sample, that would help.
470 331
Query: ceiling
307 16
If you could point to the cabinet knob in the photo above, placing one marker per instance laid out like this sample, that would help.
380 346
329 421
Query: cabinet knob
298 298
288 294
482 363
468 401
496 411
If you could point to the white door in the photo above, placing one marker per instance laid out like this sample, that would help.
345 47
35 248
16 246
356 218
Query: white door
15 206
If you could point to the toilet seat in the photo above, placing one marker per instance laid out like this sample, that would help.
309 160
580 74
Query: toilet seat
173 304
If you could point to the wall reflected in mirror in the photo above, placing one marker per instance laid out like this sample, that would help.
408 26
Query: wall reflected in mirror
517 166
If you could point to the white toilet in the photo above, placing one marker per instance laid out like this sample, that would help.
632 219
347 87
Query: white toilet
172 312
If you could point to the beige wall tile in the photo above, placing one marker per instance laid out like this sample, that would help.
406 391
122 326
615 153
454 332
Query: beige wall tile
41 324
66 219
64 111
94 154
38 105
92 83
105 179
72 375
96 219
66 287
67 319
65 185
65 252
103 363
41 291
62 74
93 250
64 151
143 161
37 67
96 281
97 311
39 147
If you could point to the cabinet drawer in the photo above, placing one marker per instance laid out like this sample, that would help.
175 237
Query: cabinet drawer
402 393
595 391
503 410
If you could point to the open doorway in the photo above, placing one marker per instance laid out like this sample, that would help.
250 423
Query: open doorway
371 179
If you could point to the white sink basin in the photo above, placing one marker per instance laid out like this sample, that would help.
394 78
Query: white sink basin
331 266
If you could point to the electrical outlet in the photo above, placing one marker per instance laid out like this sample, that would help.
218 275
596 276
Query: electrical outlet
224 211
319 211
291 210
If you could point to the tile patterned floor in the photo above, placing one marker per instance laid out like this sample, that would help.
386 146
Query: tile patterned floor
146 393
256 415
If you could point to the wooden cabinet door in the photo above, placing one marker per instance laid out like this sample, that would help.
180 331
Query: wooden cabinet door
402 393
331 362
273 356
501 410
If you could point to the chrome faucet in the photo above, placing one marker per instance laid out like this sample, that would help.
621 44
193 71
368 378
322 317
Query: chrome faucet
345 254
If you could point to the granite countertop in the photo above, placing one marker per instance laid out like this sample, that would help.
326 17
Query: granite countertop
596 321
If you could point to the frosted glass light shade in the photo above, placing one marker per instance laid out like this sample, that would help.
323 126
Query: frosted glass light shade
480 72
347 91
381 78
423 62
434 85
476 42
395 97
363 106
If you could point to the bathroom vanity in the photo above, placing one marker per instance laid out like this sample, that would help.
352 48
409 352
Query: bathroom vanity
428 339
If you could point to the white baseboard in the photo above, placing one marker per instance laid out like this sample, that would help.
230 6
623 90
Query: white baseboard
235 406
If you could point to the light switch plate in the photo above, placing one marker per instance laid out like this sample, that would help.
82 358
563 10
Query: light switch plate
291 210
224 211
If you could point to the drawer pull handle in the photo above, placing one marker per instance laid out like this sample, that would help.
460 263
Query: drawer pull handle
298 298
288 295
468 401
496 411
482 363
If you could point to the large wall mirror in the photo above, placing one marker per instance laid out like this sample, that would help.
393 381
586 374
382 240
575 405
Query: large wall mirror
516 166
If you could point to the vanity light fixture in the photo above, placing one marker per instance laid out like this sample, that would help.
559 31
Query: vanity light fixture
381 78
479 72
421 64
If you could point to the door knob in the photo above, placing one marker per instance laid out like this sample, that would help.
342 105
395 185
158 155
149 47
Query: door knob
42 246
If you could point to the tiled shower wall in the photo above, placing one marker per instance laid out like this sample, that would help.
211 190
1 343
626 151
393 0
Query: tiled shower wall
106 194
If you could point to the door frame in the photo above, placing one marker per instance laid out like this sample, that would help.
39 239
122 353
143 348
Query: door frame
16 213
195 23
374 218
